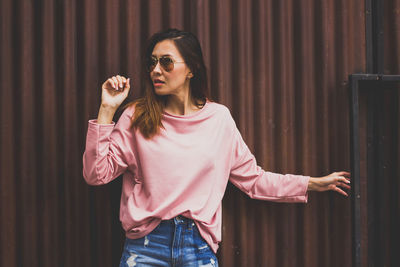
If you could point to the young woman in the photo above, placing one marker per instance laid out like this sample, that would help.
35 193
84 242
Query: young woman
177 150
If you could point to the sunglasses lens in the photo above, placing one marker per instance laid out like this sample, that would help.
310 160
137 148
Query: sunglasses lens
167 63
151 64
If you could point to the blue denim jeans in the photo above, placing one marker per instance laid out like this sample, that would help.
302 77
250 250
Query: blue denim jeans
173 243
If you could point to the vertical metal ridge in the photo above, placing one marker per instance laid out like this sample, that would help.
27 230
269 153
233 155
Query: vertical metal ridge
374 36
26 156
271 160
378 36
355 170
261 76
391 37
369 35
8 166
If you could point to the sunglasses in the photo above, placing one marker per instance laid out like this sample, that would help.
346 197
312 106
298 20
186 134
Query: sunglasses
166 62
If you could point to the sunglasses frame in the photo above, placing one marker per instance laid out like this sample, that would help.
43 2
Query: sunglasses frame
153 64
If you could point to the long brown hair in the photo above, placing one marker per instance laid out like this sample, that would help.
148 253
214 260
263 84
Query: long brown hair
149 108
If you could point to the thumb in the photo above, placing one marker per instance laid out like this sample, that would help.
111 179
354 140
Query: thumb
127 84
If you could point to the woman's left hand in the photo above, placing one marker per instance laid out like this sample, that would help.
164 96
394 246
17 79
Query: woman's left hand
334 181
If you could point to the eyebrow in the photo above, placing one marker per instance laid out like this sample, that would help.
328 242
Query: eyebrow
162 55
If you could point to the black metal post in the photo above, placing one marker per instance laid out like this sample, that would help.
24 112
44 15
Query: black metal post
373 85
355 171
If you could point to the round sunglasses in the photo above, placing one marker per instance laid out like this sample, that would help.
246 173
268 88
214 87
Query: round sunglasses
166 62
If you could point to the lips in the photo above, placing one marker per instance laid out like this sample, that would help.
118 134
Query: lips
158 82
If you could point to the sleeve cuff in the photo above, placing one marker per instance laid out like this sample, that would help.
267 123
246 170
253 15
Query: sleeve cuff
94 122
96 130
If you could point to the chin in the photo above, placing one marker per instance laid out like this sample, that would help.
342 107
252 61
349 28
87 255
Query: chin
161 92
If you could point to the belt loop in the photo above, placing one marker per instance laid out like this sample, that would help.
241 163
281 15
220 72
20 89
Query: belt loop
178 219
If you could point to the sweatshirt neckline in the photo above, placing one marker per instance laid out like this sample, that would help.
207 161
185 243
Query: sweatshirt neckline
189 115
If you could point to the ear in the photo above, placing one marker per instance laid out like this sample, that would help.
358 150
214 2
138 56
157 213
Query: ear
190 75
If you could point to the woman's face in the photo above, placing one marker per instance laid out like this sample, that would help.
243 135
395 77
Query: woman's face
174 82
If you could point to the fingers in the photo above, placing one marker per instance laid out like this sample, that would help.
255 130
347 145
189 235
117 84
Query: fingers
341 176
343 173
345 186
112 83
343 183
337 181
121 81
340 191
344 180
127 84
117 82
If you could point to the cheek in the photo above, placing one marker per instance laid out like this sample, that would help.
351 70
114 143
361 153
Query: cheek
176 79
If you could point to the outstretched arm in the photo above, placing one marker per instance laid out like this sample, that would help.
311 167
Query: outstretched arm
334 181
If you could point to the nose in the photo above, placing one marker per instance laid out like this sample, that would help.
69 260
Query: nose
157 68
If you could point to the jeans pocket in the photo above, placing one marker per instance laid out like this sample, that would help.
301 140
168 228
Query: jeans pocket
212 263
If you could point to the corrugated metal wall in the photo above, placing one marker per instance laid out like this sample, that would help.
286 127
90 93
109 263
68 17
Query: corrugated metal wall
280 66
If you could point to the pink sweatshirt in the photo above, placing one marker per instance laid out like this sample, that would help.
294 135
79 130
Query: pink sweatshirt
182 171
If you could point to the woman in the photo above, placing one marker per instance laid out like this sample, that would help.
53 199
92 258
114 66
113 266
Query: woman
177 151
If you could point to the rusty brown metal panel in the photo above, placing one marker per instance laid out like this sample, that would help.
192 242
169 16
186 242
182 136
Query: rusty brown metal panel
323 86
27 151
47 133
68 145
154 16
8 212
132 53
202 29
89 63
175 13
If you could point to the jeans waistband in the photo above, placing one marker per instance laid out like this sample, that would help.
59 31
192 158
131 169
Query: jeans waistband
180 220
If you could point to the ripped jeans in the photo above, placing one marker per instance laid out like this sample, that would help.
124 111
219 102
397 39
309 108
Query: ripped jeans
173 243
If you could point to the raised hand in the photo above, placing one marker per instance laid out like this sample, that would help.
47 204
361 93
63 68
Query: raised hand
113 92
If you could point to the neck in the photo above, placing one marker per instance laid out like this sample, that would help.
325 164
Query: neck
180 104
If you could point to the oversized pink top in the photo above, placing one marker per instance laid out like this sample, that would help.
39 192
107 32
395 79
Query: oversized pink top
182 171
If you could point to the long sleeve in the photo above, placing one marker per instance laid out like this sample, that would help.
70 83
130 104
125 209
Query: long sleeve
108 151
259 184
